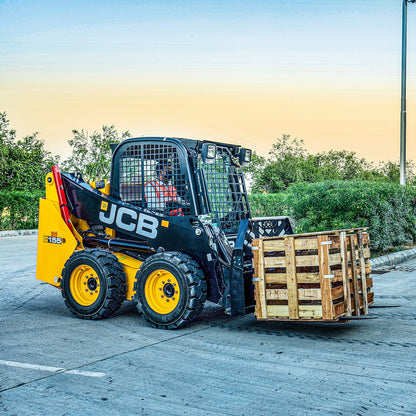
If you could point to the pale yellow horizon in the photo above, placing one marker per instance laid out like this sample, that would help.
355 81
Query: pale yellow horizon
361 120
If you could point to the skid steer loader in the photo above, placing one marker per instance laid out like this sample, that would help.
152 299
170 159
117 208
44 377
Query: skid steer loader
171 229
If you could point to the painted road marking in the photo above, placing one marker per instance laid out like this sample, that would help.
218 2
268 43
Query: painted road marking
51 369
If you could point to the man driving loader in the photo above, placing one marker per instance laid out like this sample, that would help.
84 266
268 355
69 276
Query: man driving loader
160 194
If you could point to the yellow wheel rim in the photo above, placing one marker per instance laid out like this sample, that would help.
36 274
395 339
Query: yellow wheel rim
84 285
162 291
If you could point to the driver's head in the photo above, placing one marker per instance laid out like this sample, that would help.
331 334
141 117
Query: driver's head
164 171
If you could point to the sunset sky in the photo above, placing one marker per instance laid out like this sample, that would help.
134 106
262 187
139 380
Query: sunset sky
325 71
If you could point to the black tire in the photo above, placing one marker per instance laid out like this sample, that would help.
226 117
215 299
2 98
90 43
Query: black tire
93 284
190 280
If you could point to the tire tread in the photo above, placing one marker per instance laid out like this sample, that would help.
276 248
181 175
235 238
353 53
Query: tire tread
116 283
197 288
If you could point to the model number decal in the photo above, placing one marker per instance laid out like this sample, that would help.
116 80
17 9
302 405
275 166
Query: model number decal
53 240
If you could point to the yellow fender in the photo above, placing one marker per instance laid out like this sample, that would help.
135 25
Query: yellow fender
56 243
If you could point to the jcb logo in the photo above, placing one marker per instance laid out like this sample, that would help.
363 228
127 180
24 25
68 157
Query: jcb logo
129 220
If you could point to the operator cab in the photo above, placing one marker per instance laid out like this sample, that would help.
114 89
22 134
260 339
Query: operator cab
201 178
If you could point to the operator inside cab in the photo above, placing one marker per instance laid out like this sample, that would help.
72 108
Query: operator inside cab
160 194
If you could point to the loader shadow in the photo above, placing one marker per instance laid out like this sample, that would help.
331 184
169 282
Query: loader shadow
214 316
349 332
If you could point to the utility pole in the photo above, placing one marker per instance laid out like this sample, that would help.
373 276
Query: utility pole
403 95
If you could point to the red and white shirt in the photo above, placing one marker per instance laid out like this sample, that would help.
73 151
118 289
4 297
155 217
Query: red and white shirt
158 194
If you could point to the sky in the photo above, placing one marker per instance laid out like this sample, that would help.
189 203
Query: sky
244 72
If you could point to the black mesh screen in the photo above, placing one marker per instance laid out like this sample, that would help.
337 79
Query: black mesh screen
151 176
226 191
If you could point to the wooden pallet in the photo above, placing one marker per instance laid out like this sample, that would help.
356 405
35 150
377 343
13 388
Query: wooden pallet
322 276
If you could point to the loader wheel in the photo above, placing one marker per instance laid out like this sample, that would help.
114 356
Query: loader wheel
93 284
171 289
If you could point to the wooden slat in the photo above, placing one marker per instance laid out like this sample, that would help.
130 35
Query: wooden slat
357 256
281 278
366 238
292 285
328 233
344 271
366 253
312 311
305 311
353 240
334 259
336 243
338 273
335 240
369 284
306 243
309 294
300 244
362 269
278 310
261 282
370 298
275 278
324 270
354 278
337 292
274 245
301 261
303 294
339 310
256 259
270 262
337 276
276 294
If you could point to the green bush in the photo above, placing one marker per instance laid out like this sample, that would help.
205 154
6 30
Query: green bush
264 205
19 210
388 209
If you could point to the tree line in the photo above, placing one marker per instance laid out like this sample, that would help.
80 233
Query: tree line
25 162
289 162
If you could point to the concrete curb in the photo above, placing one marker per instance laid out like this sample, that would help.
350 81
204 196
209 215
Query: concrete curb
377 263
14 233
393 259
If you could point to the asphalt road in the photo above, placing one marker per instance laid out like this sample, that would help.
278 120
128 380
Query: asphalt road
52 363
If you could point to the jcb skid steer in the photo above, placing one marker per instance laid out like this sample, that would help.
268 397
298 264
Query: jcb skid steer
170 230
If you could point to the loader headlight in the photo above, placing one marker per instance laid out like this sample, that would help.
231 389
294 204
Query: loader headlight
209 152
244 156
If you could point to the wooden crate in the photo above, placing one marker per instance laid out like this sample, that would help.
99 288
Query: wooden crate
321 276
